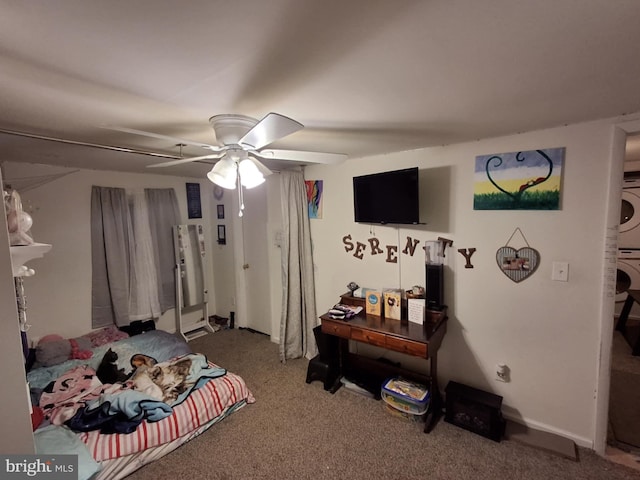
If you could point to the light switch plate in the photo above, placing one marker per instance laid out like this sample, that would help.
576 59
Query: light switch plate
560 271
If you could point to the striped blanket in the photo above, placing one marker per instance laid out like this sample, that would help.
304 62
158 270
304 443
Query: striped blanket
74 385
213 399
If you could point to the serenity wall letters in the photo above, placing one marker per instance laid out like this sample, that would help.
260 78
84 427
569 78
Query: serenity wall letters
390 252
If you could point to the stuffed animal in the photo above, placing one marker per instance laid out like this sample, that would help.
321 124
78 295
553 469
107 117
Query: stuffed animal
53 349
19 222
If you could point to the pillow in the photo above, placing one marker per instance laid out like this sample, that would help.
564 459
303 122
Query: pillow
52 351
57 440
105 335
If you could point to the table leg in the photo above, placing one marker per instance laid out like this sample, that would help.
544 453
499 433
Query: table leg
342 344
621 326
435 405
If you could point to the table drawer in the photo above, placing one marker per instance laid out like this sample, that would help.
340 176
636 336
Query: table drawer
336 328
367 336
406 346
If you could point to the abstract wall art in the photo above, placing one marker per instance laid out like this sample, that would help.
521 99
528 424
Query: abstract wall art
314 197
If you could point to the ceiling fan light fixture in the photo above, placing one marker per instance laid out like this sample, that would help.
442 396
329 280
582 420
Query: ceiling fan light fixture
224 173
250 175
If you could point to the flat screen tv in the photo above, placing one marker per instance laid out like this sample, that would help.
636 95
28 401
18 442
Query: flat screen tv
387 197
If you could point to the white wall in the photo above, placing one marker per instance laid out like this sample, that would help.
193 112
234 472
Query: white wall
15 422
222 256
547 332
59 295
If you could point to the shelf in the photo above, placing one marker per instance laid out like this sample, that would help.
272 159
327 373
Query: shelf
22 254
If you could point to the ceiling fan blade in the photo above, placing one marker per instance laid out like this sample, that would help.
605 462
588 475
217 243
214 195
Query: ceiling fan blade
300 156
186 160
271 128
176 141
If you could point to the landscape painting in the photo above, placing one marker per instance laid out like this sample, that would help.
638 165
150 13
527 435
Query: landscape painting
529 180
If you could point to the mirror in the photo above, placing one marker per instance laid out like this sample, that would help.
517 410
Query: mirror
190 250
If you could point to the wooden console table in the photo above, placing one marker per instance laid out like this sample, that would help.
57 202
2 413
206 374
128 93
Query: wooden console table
397 335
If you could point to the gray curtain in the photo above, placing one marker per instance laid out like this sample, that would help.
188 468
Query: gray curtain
111 255
298 288
163 215
114 251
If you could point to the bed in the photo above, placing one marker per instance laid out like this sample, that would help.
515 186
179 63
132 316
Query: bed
117 428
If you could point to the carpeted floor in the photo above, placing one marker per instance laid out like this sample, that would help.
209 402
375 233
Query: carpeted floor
299 431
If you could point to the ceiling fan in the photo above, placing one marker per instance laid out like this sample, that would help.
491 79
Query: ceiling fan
242 145
242 141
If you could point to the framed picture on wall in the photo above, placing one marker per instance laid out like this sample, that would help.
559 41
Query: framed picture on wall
194 206
221 211
222 235
314 197
526 180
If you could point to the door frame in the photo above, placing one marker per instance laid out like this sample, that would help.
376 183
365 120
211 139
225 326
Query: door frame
619 135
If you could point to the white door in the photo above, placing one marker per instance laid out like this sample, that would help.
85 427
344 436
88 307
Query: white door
255 261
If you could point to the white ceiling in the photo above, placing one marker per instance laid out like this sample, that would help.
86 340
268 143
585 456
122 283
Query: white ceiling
364 77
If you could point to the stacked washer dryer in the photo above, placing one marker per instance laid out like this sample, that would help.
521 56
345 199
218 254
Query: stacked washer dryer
628 274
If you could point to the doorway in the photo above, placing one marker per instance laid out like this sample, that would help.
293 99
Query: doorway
623 426
254 261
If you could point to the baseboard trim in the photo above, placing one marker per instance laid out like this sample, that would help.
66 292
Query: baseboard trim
580 441
542 440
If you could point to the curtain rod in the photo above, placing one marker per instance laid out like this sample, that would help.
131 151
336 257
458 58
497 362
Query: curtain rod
88 144
104 147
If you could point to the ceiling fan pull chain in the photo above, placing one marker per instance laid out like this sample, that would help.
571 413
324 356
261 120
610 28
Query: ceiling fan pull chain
240 197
